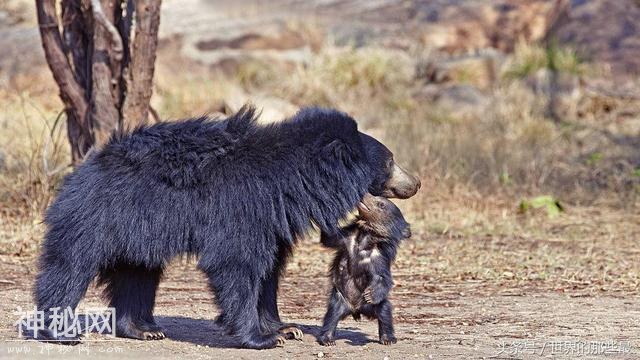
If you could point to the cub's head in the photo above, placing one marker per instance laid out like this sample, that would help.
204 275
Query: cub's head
381 217
389 179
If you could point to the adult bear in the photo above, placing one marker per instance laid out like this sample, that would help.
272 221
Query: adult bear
235 193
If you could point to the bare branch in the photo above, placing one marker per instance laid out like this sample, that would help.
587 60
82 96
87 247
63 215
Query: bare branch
139 74
105 74
100 18
102 64
77 35
71 92
153 114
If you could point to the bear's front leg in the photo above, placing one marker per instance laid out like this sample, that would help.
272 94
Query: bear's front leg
270 322
238 301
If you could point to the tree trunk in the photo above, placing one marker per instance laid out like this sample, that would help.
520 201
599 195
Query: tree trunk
103 63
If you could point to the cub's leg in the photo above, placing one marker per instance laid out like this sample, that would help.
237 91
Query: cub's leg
385 323
336 311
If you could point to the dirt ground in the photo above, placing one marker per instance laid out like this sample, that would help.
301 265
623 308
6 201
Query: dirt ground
477 280
455 319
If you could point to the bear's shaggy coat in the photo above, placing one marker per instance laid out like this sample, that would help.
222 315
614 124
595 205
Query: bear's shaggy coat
232 192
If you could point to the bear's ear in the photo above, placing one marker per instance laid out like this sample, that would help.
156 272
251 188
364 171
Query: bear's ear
337 150
406 233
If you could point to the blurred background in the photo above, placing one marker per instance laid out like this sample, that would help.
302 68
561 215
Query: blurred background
522 118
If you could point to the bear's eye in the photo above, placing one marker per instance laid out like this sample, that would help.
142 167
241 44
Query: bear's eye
382 205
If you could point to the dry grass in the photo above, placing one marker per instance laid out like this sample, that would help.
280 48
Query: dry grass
34 150
33 159
529 58
512 148
475 169
476 238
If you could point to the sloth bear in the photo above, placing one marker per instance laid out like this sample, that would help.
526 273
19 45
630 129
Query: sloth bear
361 269
234 193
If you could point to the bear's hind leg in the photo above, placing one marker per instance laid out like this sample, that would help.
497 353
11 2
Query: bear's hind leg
131 290
60 285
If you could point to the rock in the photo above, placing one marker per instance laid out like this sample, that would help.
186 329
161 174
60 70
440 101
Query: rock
4 18
563 90
17 12
544 82
480 69
274 43
462 27
526 20
458 100
607 31
235 99
271 109
21 52
285 40
214 30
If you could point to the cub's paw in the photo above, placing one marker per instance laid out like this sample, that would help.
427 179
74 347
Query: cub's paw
291 333
373 295
326 340
388 339
368 295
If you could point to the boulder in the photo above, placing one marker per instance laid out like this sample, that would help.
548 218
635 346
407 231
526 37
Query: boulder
4 18
563 91
606 31
457 100
275 43
17 13
272 109
467 26
480 69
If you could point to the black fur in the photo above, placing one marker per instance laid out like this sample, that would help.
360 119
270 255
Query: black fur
232 192
361 269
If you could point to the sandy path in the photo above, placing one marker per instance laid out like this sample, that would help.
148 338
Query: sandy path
456 320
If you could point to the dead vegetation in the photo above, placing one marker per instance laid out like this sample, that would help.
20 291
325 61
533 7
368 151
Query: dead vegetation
477 165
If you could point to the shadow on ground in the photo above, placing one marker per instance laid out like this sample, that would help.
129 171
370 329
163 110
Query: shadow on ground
206 332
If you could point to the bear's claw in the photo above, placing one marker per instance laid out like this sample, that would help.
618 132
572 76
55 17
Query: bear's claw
388 339
292 332
368 295
153 335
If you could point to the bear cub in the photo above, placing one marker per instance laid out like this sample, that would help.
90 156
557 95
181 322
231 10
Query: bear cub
361 270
